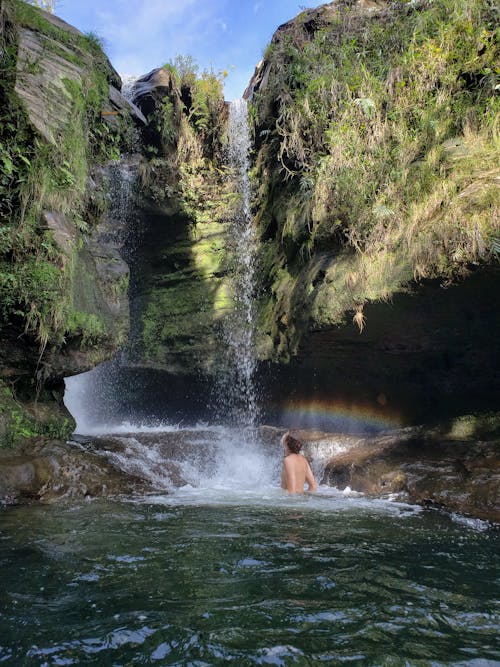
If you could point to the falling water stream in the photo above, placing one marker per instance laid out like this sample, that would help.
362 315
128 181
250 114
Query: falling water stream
215 565
87 391
237 382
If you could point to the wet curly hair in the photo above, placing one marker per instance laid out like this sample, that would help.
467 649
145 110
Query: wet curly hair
294 445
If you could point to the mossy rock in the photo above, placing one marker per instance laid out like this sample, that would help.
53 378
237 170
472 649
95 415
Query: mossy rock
376 142
28 421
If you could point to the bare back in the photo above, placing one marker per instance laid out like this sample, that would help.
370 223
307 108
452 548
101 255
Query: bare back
295 473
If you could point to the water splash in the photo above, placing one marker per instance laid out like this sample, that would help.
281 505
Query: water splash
221 465
237 383
128 82
213 460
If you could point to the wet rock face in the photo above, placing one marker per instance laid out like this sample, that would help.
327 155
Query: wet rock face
459 476
53 470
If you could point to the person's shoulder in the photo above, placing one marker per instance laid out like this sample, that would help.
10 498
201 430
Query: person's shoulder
294 459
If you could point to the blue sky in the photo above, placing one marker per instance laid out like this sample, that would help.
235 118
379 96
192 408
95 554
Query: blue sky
142 34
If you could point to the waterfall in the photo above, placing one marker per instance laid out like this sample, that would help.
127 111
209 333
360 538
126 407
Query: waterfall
237 386
121 391
128 81
91 396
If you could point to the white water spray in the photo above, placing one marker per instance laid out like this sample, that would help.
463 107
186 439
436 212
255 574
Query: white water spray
128 82
238 382
86 393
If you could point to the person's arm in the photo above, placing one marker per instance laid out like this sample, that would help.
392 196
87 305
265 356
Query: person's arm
311 482
283 476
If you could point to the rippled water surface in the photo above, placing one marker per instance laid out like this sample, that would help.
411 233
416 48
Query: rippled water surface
170 583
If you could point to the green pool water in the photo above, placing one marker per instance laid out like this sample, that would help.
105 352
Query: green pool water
165 581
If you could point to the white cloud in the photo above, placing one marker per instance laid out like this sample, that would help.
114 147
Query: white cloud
257 7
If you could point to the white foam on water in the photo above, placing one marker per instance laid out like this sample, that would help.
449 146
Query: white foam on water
326 499
470 522
229 467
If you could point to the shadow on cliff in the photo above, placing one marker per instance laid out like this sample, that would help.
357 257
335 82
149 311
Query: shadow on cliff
429 356
160 375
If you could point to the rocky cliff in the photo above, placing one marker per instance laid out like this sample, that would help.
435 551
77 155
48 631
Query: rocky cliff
376 163
377 201
63 283
182 260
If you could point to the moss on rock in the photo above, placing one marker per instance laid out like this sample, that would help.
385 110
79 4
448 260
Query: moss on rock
54 139
376 157
20 421
187 189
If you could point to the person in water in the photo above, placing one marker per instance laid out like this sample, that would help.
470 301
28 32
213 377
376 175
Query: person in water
296 470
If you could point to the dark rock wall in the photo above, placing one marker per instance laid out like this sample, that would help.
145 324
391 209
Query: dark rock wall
424 357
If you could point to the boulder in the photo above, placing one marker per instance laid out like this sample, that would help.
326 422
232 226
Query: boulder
51 470
459 476
152 86
147 94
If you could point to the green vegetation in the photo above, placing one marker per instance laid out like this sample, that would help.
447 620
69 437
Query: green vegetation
203 101
17 422
377 161
36 176
186 173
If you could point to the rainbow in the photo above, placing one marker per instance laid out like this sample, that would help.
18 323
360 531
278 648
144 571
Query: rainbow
339 415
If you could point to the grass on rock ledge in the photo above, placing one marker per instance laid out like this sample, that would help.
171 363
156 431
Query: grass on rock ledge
377 161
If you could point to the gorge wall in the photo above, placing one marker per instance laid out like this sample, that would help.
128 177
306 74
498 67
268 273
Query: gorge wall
375 198
63 283
376 130
377 201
